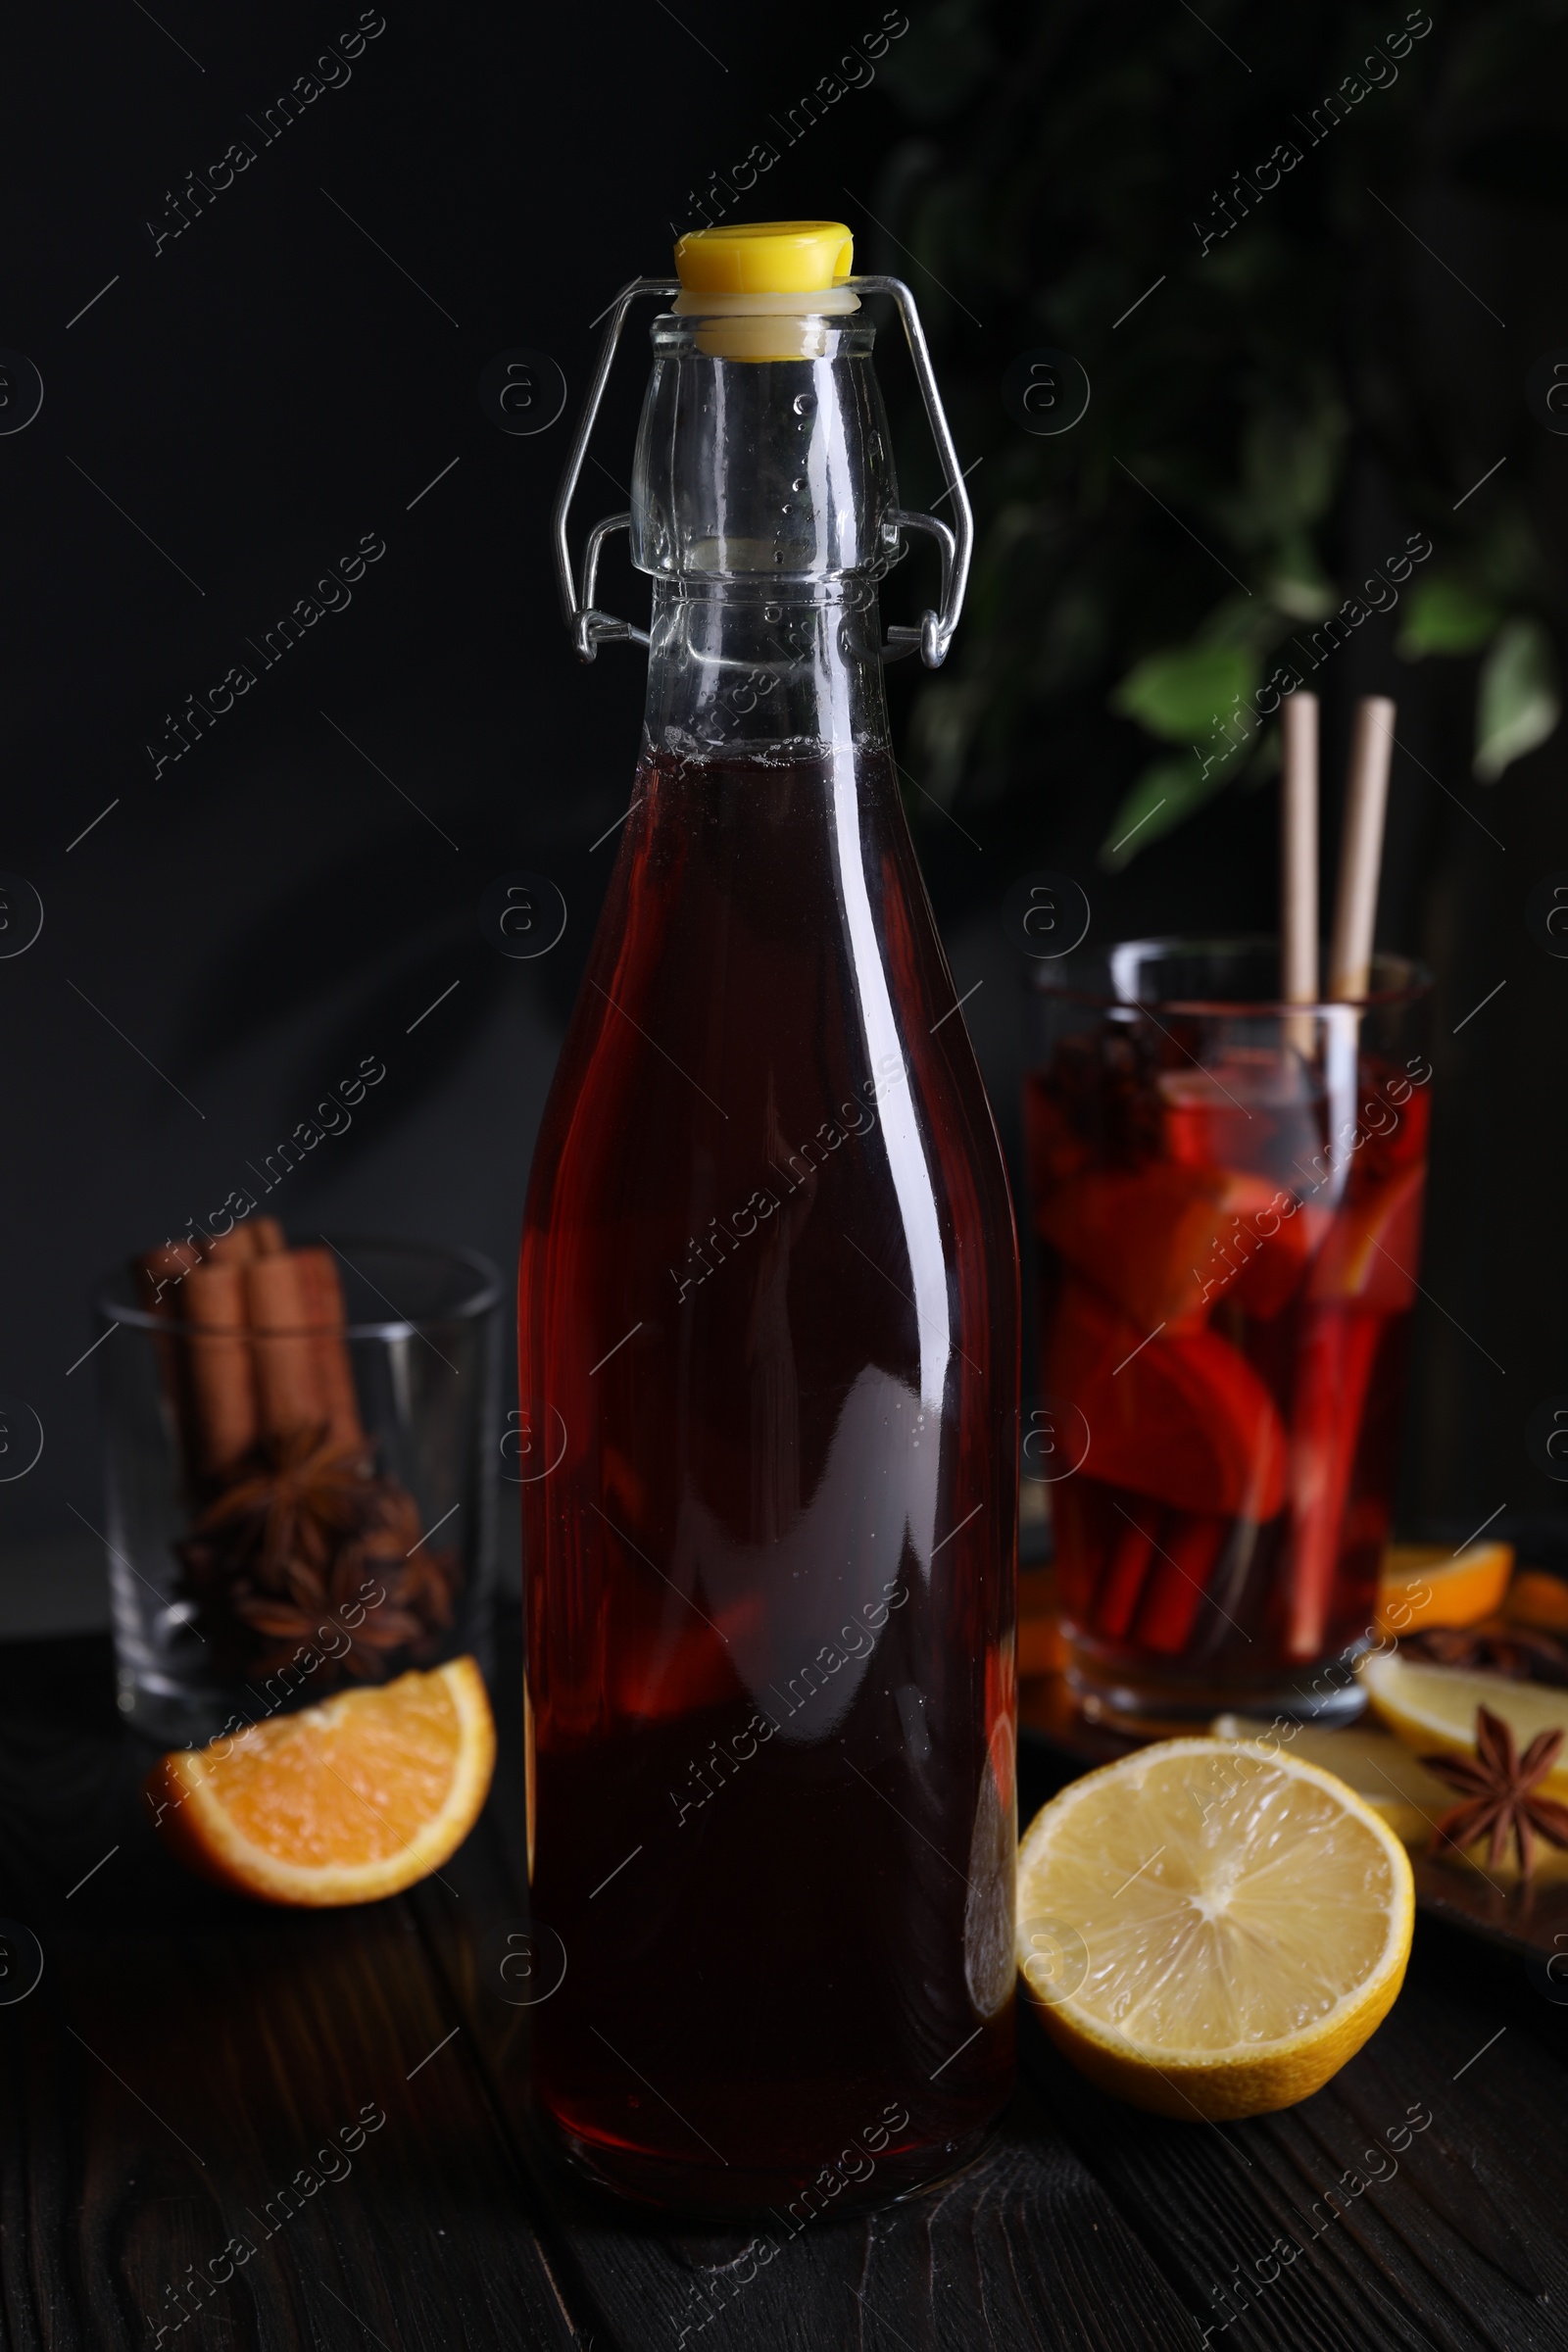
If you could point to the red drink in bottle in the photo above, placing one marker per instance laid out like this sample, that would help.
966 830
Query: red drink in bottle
767 1298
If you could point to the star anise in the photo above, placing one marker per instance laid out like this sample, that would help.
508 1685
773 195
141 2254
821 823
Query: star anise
305 1535
1502 1793
300 1497
1493 1646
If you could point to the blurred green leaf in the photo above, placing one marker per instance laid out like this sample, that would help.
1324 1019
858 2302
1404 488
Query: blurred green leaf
1162 797
1257 376
1181 693
1446 615
1289 470
1519 703
1298 585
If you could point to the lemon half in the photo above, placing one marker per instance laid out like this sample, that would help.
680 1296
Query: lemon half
1433 1709
1212 1931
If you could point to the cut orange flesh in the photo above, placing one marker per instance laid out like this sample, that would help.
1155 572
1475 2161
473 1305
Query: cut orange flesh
1139 1237
1372 1252
341 1803
1425 1584
1539 1599
1178 1415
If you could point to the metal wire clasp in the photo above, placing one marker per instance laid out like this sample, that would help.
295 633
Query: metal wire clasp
590 629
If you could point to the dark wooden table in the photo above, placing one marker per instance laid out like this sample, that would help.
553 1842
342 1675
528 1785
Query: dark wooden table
184 2056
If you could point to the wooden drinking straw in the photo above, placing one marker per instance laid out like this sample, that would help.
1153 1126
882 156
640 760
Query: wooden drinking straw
1366 800
1298 865
1340 1344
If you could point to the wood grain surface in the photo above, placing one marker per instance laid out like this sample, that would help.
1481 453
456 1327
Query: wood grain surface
193 2074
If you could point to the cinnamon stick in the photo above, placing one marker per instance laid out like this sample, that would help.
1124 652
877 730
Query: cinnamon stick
323 1296
222 1387
288 1379
1340 1342
1335 1366
1178 1584
1123 1578
232 1248
161 1271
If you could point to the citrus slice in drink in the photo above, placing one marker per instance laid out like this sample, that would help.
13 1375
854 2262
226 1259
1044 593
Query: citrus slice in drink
1211 1931
1178 1415
343 1802
1144 1238
1374 1245
1268 1234
1427 1584
1433 1708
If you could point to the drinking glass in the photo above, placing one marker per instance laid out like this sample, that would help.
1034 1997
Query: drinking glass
301 1569
1226 1194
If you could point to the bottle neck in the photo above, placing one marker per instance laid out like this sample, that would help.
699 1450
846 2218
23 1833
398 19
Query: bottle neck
745 669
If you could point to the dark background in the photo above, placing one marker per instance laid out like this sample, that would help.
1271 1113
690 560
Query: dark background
228 418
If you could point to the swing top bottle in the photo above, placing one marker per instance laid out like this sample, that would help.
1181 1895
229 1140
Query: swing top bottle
769 1311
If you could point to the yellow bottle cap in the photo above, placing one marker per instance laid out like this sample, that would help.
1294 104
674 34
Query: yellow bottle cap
765 257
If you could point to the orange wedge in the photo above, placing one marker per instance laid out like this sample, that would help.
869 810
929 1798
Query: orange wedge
1537 1598
1139 1237
1371 1253
1178 1415
1425 1584
341 1803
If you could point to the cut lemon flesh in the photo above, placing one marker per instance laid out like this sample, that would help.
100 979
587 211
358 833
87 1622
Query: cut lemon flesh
340 1803
1433 1708
1222 1926
1425 1584
1381 1769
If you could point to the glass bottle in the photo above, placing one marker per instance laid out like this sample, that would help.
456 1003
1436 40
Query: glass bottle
768 1309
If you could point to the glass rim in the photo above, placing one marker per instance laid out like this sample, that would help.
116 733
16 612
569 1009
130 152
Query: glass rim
1416 981
467 1309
